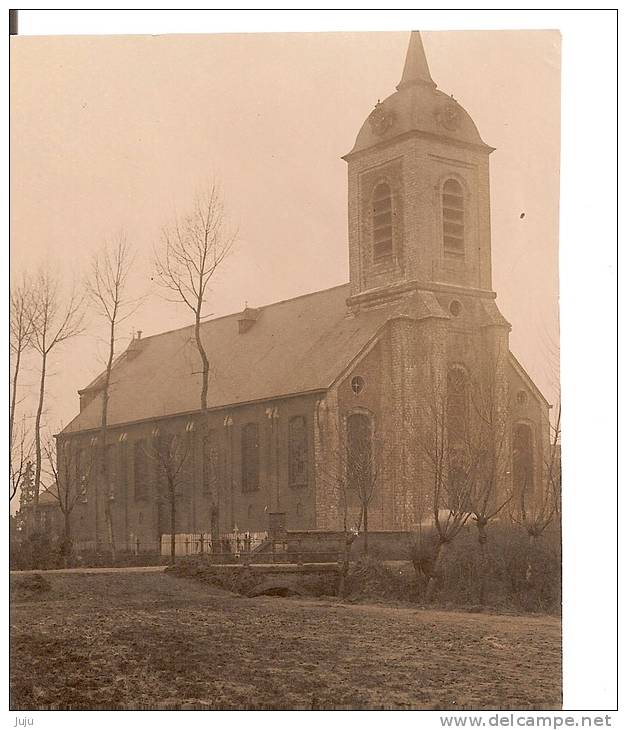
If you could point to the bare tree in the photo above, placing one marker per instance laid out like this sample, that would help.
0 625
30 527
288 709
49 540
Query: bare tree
364 461
191 252
465 446
535 507
21 333
537 502
107 289
57 319
21 464
170 452
487 434
23 516
353 471
452 470
70 475
335 475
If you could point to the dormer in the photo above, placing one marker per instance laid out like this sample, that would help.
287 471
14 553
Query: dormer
247 319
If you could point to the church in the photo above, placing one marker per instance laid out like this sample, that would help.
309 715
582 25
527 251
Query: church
297 384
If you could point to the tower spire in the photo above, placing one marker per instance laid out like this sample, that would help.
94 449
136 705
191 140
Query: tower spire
416 69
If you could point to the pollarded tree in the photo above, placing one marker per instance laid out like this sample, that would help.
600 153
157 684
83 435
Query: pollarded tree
538 495
465 446
452 468
537 505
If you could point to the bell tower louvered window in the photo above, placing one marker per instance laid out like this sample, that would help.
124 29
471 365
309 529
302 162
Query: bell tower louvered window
453 217
382 228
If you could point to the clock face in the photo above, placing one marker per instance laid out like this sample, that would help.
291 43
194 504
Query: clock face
448 116
380 119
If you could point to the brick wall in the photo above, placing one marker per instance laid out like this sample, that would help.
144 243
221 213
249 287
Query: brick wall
416 169
143 516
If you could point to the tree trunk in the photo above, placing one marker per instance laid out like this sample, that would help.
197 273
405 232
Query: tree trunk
215 526
67 538
205 362
104 467
40 408
18 357
483 561
349 539
440 554
172 525
203 406
365 513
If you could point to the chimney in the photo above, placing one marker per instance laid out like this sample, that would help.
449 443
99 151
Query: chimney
247 319
134 347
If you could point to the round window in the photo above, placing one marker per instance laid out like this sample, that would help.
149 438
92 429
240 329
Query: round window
455 308
357 384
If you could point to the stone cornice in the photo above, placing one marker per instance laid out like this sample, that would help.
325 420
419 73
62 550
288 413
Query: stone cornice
479 147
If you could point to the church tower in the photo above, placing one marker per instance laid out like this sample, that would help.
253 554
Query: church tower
418 194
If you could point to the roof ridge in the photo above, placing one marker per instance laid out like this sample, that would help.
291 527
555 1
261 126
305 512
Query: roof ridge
234 314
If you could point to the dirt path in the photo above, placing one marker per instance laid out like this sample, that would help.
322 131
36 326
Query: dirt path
125 569
149 640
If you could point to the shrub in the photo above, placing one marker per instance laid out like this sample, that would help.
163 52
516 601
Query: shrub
370 578
512 573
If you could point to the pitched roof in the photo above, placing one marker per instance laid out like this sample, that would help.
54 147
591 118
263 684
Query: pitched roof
294 346
518 368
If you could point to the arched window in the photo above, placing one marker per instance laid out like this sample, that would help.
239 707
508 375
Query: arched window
81 474
359 454
298 451
140 471
250 457
382 228
523 460
123 467
453 217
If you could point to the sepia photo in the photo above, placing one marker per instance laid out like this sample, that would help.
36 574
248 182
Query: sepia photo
285 414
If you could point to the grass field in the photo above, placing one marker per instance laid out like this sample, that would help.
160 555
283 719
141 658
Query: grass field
151 641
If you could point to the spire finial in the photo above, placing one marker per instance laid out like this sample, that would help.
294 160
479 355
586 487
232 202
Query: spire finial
416 69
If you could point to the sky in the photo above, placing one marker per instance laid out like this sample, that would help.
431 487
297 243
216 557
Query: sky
118 133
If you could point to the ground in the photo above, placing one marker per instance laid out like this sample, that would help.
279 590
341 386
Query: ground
149 640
